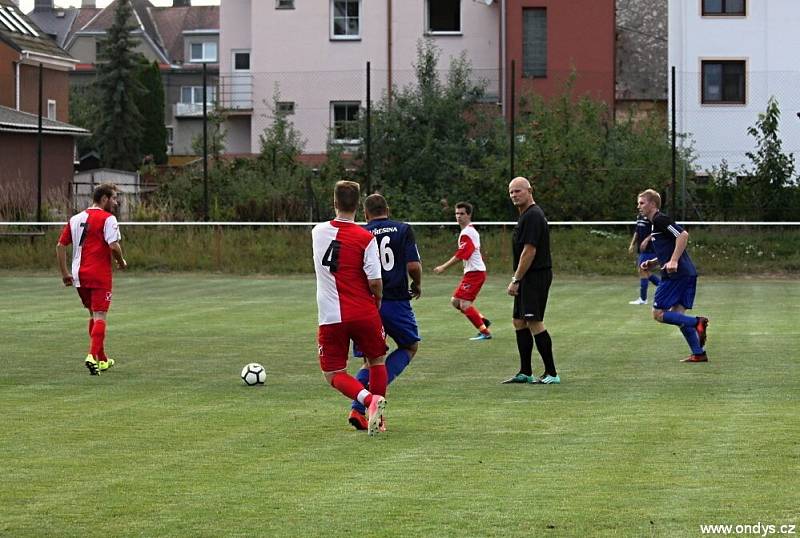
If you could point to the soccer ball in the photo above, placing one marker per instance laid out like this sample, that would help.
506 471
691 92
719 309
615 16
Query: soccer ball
254 374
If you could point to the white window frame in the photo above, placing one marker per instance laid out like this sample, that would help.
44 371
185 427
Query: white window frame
206 57
346 141
52 115
429 31
197 95
285 107
356 37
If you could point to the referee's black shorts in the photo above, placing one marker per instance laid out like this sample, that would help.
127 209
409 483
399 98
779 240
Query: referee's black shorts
531 301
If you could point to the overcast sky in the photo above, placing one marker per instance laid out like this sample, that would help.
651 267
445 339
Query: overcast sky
27 5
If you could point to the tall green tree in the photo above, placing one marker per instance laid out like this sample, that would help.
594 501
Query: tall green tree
430 143
84 112
120 127
150 103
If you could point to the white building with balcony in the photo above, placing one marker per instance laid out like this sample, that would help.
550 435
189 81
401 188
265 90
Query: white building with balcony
314 54
731 56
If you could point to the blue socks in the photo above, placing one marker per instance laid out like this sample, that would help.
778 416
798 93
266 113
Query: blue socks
396 362
690 334
643 285
676 318
687 325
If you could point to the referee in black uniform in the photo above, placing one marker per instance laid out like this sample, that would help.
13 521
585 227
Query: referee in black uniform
530 285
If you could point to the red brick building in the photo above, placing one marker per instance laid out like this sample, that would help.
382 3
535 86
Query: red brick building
550 39
23 49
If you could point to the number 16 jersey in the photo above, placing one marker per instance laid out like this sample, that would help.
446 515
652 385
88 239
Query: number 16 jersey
345 258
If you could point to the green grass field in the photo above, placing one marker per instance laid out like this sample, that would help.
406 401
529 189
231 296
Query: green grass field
171 443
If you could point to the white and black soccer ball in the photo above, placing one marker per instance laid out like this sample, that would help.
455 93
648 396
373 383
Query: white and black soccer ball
254 374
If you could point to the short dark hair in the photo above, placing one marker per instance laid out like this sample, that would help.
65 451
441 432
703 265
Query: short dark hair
466 206
346 194
104 189
375 205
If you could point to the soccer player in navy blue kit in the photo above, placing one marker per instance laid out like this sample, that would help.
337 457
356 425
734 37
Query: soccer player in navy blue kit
397 249
641 242
675 293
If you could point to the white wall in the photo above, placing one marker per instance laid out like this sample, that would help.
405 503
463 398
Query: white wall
293 49
769 40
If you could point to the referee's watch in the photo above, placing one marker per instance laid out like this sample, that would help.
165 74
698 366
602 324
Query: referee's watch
514 280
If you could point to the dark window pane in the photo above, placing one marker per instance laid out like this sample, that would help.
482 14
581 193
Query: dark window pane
242 60
735 7
712 6
733 82
352 8
712 82
339 9
197 51
352 27
339 27
444 15
534 42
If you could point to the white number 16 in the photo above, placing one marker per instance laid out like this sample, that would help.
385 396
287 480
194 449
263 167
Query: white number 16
386 253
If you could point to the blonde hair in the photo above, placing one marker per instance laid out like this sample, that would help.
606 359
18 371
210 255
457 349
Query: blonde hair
651 196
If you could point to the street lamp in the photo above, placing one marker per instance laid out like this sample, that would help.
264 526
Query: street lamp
205 62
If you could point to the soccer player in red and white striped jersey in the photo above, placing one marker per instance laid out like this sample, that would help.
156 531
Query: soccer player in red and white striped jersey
94 236
349 291
469 252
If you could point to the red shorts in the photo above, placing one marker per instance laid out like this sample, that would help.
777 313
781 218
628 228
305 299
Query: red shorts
334 341
95 299
470 285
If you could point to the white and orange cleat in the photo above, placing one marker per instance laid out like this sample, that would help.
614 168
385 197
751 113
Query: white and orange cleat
375 414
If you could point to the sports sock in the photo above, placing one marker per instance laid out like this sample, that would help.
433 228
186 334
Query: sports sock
378 379
690 334
363 377
655 280
475 318
348 385
98 335
544 345
643 283
396 362
676 318
525 348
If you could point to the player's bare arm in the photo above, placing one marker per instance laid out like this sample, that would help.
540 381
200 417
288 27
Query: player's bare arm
446 265
633 243
376 287
61 253
680 245
116 252
415 272
525 261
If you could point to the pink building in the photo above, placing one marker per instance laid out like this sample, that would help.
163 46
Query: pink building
311 57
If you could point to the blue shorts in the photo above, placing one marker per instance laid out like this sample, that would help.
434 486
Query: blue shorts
399 323
675 291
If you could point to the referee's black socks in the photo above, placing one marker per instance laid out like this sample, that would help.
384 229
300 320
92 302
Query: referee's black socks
545 347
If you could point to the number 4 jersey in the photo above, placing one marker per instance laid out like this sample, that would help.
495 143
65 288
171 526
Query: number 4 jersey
345 258
90 232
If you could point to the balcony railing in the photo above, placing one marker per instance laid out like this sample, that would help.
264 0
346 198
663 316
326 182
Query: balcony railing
236 91
191 110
